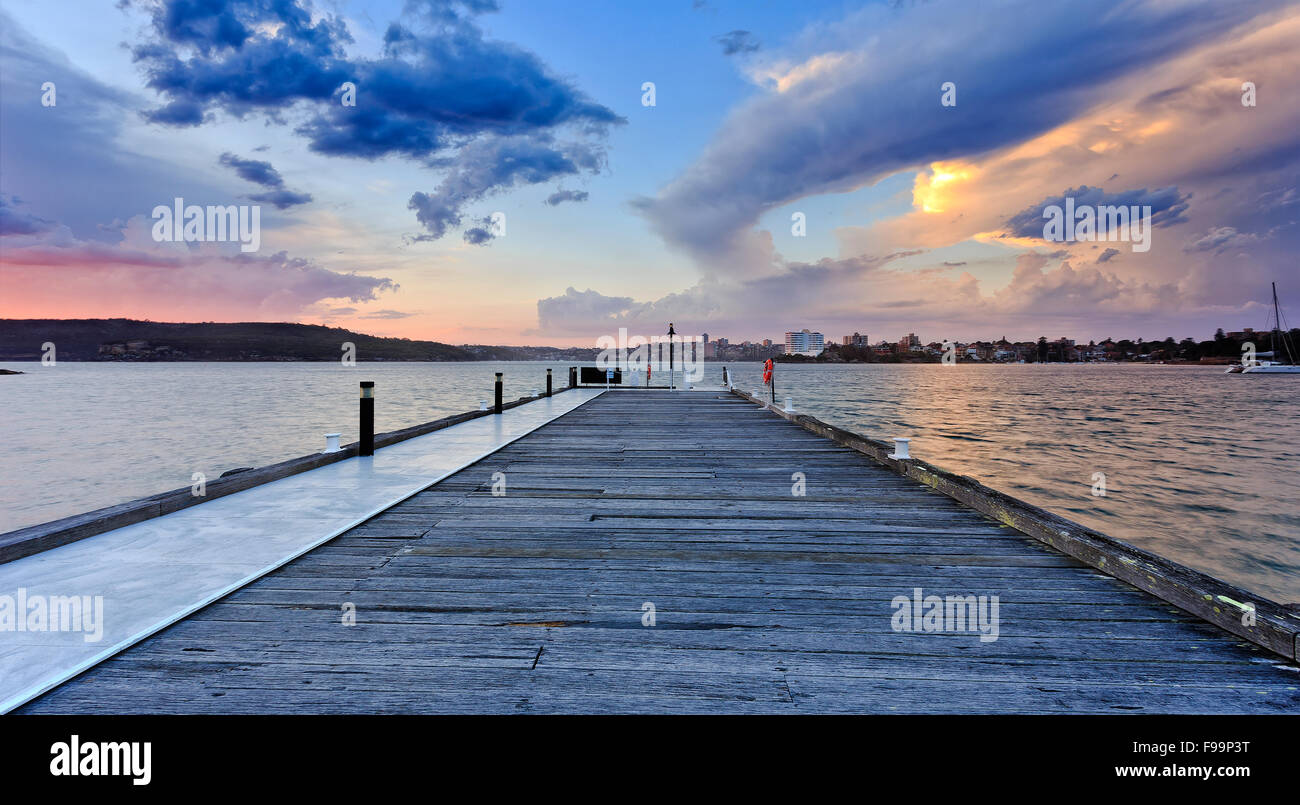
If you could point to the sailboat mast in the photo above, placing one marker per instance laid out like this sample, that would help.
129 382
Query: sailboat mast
1277 323
1277 329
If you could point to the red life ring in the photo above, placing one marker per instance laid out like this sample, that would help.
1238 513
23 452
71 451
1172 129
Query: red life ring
767 371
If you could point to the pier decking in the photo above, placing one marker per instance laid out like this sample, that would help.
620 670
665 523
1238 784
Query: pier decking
763 601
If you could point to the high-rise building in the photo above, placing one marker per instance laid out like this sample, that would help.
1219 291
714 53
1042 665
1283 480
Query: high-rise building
856 340
804 342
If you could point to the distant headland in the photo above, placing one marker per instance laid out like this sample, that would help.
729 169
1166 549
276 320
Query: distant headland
133 340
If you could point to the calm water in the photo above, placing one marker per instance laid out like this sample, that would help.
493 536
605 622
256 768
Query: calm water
1200 466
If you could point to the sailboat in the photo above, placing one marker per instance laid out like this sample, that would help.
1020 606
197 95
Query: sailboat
1280 337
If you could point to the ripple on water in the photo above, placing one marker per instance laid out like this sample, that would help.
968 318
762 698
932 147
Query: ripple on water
1206 489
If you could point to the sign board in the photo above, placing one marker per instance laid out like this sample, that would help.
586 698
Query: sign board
594 375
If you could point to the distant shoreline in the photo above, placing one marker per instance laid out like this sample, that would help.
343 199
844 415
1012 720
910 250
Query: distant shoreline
134 341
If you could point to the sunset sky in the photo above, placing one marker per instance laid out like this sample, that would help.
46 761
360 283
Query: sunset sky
920 217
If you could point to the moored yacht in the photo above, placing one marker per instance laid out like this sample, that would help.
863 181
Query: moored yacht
1281 347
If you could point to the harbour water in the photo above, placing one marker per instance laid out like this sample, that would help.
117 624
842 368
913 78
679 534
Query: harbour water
1198 466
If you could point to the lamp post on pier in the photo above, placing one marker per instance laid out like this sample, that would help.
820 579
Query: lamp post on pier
671 376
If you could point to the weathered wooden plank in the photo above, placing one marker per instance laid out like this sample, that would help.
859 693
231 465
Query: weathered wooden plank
740 554
322 688
501 615
652 656
1161 645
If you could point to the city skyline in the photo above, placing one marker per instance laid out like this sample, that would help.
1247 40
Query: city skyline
863 339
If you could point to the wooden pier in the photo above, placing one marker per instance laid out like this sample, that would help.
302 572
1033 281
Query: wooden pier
682 506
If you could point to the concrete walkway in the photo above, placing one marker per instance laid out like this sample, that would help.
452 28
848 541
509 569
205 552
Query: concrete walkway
155 573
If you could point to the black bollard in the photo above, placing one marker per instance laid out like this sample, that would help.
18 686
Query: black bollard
497 410
367 447
548 382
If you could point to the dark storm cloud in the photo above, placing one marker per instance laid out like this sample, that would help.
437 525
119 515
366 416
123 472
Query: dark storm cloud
561 196
440 93
492 164
1167 207
253 170
212 55
734 42
282 199
429 85
478 235
445 12
263 173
